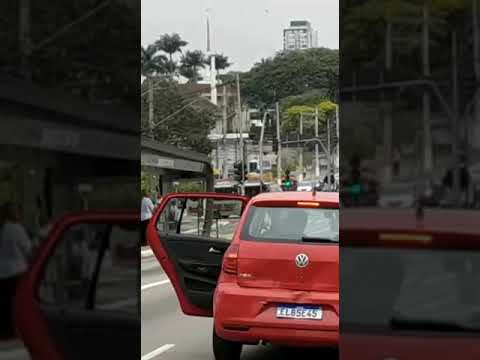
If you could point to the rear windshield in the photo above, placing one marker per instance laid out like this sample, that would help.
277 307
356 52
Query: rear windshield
410 289
276 224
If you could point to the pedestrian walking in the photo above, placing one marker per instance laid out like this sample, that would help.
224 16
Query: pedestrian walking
15 250
146 213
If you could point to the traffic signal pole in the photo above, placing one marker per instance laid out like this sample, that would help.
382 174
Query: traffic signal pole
279 151
260 148
240 122
317 155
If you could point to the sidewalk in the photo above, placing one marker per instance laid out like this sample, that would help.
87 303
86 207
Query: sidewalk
146 252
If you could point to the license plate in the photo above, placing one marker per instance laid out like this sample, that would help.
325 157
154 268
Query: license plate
299 312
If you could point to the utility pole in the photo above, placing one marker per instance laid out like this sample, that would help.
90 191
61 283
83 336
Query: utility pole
240 125
317 159
300 154
474 135
150 107
329 155
427 131
260 147
387 106
337 118
24 38
279 151
224 128
455 90
454 125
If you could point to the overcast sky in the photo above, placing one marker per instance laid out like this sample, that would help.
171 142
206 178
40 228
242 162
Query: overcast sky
244 30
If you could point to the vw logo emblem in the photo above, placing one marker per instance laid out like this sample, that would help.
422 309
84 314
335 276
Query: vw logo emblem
302 260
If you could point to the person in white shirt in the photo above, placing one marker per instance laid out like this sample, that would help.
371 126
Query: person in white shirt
146 213
15 249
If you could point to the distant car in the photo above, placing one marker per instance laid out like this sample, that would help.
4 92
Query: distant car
275 188
273 280
306 185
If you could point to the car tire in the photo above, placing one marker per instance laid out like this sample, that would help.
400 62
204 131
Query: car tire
224 349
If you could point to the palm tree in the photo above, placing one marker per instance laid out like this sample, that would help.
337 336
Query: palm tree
192 61
221 62
152 62
171 44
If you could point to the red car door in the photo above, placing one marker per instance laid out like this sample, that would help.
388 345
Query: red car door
79 298
189 234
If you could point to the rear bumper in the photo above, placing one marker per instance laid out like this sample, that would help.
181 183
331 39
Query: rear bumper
248 316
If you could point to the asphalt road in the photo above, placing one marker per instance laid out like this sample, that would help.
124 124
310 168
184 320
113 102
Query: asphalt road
167 334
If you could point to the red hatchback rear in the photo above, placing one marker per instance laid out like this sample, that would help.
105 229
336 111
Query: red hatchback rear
278 280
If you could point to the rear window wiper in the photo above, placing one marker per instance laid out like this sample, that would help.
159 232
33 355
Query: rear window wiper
319 239
430 325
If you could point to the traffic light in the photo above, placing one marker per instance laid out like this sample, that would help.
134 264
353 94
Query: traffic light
238 171
287 184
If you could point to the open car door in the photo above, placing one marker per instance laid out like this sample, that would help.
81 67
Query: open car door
189 234
80 297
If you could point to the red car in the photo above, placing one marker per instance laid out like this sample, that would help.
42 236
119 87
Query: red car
267 273
410 286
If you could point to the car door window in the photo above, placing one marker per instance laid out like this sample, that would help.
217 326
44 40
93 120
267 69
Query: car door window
94 267
69 272
202 218
118 278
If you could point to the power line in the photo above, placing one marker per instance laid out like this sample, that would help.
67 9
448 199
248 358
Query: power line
176 112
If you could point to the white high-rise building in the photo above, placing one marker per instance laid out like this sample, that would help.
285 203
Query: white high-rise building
300 35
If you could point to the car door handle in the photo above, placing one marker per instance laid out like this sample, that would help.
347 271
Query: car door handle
214 251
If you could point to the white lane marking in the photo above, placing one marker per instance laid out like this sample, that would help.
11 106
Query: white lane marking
157 352
158 283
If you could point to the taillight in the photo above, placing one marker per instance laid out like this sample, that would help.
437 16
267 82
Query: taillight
230 260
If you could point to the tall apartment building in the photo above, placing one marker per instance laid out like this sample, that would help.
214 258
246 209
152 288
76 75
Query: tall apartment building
300 35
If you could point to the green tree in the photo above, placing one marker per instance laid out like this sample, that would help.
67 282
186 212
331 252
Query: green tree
171 44
152 62
291 73
191 62
293 114
180 119
221 62
72 61
363 24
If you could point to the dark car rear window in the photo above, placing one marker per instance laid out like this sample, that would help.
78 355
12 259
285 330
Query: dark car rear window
277 224
421 289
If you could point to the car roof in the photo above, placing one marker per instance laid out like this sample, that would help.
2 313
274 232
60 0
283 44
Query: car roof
433 221
327 197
